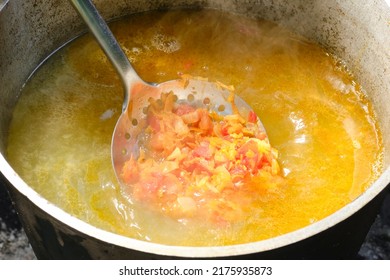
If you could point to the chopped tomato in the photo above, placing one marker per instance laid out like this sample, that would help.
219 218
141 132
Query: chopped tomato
197 163
130 172
252 117
203 150
183 109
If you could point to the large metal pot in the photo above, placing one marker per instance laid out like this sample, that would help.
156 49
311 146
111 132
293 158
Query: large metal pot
356 31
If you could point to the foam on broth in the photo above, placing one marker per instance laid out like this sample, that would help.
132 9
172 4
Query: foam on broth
315 113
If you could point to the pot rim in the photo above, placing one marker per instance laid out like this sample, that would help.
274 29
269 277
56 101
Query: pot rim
189 251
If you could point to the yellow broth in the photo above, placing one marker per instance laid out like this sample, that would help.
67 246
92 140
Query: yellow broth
315 113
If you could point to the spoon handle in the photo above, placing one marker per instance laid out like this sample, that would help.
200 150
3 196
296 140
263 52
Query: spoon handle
108 43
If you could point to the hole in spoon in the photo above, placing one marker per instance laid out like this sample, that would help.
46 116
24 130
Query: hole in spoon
190 97
221 108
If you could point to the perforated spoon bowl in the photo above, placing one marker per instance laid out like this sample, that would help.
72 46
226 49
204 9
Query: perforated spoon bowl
137 93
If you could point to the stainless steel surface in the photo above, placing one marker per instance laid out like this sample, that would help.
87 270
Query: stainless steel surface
109 45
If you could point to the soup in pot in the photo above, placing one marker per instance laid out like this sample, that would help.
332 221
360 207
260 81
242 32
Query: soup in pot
326 140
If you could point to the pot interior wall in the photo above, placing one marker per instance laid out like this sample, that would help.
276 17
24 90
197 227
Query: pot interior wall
356 32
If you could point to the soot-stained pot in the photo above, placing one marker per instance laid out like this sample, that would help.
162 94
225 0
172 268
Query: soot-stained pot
356 31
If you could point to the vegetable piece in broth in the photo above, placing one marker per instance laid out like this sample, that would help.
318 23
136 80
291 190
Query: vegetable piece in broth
194 162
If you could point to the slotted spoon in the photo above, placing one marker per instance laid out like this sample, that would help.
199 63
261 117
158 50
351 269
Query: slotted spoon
137 93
